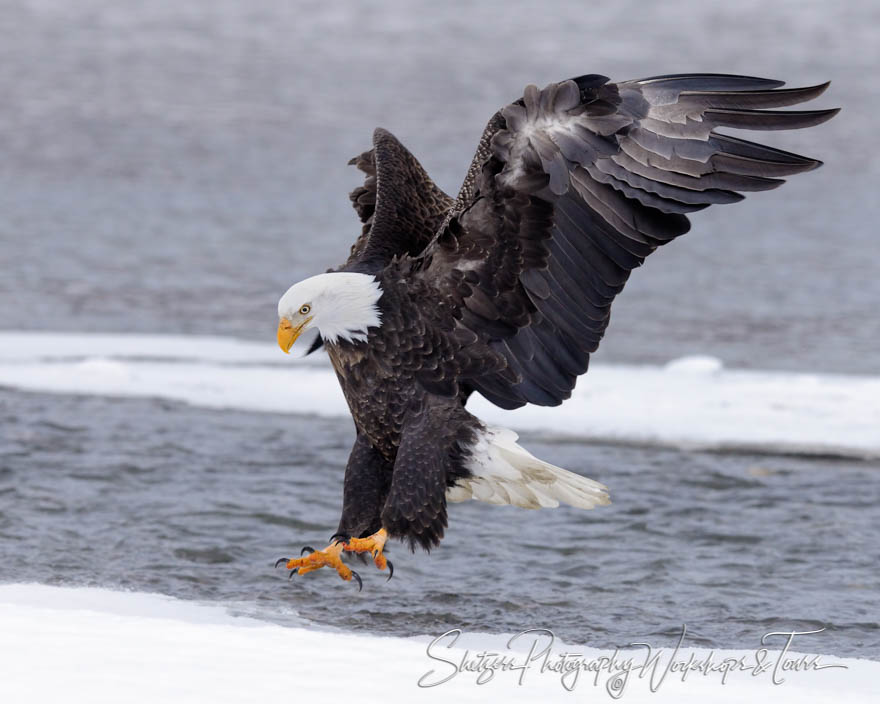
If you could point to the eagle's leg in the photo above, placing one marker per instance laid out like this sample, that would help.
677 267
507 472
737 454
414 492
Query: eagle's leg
367 477
374 544
430 459
331 556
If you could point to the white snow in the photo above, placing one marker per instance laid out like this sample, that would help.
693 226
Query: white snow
95 645
695 364
29 346
692 402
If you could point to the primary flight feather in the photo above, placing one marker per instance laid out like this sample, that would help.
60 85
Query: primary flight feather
506 289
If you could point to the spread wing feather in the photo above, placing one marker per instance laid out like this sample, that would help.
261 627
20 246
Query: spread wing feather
572 187
399 205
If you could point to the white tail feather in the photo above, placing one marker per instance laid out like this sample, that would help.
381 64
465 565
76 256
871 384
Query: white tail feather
502 472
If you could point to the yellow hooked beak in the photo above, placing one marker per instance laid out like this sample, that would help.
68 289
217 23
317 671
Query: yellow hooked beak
287 333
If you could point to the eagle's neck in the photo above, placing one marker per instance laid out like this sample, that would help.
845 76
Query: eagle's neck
350 308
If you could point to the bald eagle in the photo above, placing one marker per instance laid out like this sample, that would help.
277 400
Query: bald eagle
506 289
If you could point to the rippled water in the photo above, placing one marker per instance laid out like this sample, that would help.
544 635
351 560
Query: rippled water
155 496
173 166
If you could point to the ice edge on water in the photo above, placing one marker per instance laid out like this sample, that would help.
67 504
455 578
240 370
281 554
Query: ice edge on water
100 645
692 402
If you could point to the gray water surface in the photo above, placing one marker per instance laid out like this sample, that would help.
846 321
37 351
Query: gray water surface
156 496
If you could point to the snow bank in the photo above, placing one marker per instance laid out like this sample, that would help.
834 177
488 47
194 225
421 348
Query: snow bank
95 645
691 402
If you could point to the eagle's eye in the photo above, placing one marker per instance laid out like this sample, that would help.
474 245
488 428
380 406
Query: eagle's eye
305 309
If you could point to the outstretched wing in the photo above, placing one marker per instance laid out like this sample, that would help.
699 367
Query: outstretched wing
572 187
399 205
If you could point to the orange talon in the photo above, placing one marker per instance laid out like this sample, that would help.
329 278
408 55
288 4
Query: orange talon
373 544
328 557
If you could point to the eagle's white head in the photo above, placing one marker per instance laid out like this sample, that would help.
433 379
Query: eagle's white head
338 305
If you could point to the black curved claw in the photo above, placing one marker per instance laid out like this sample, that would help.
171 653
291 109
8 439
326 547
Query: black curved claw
390 570
294 571
280 560
307 550
343 538
358 578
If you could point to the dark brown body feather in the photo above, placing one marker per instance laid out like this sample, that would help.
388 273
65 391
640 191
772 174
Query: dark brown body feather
413 431
507 289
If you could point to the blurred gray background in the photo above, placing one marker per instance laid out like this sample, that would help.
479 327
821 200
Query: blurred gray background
173 166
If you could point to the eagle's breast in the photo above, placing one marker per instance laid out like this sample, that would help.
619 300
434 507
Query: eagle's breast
377 374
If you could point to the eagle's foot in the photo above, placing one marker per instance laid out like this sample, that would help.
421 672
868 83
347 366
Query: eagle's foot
374 544
316 559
